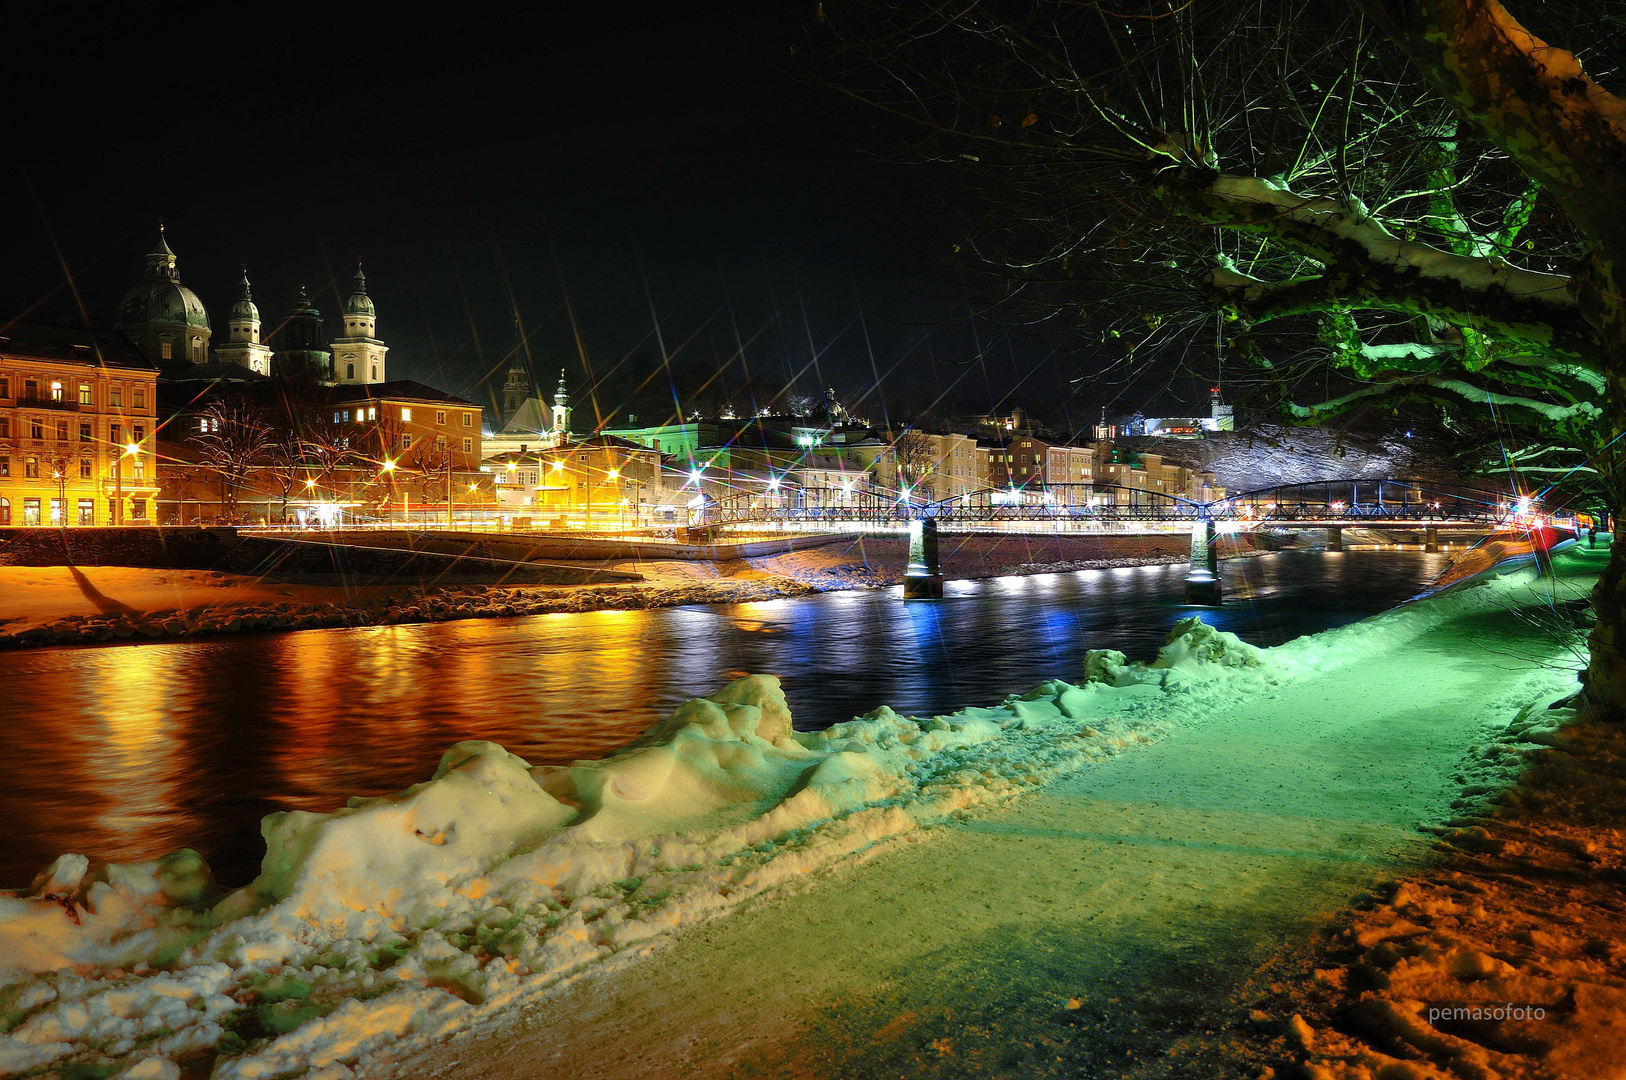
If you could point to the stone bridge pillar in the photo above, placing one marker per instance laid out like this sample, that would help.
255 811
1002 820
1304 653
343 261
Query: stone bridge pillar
1431 539
1202 582
923 580
1335 538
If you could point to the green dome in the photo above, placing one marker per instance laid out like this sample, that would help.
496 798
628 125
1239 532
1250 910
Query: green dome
244 308
359 303
161 300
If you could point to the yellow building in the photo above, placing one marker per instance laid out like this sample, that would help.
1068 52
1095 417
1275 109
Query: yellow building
78 413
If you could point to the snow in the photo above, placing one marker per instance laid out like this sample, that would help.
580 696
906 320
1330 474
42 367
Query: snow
407 919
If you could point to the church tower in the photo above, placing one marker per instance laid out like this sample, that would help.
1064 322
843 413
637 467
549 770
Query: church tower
561 410
164 318
358 356
517 390
299 346
243 345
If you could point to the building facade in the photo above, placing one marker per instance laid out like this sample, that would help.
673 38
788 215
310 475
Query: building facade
78 414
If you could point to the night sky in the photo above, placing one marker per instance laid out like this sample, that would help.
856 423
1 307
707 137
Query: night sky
639 158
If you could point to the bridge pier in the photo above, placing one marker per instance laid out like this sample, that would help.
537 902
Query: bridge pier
923 580
1202 583
1335 538
1431 539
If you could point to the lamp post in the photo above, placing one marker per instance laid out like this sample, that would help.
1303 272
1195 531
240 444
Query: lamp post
387 470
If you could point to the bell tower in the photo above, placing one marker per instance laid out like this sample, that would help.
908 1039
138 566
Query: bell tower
358 355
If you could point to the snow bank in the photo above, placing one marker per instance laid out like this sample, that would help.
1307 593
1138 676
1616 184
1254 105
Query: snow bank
413 916
416 914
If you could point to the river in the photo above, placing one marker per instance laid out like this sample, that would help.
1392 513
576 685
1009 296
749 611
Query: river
127 751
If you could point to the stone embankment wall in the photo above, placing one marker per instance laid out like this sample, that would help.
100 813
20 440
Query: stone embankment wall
414 605
192 548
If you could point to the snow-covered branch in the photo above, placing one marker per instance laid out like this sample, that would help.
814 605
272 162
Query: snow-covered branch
1369 267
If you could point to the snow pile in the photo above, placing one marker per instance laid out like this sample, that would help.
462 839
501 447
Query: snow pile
1509 959
413 916
1194 653
416 914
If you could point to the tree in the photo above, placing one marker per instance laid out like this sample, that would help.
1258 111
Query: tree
233 438
914 455
1399 201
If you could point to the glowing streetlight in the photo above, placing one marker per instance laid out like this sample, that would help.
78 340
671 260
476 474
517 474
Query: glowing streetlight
388 466
613 474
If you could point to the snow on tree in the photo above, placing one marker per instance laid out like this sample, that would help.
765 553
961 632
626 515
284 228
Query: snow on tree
1363 205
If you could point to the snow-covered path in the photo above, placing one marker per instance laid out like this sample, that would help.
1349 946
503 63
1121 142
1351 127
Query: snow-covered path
1105 926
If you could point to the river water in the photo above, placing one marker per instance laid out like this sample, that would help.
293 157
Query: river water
124 752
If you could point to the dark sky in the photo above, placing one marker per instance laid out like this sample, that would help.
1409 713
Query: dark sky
627 156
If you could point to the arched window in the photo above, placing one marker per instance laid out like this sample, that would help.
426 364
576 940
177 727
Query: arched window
5 511
350 371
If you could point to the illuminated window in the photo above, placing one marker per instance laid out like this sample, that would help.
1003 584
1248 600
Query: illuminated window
5 511
84 394
87 511
164 350
406 413
31 511
5 466
56 389
138 508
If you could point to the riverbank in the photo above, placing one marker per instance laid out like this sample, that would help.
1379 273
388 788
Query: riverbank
70 605
1181 820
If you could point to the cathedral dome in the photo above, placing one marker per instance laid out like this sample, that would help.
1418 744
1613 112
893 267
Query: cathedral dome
159 297
162 301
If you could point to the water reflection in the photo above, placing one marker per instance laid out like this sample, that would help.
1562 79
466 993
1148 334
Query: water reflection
125 752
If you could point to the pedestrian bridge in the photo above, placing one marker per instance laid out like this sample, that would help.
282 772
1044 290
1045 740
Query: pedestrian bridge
1113 508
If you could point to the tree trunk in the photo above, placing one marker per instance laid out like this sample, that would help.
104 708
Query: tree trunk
1605 676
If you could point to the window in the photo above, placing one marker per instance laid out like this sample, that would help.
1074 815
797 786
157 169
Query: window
468 421
115 435
84 468
350 371
138 508
57 508
140 397
56 389
87 511
31 468
375 373
406 413
84 433
61 431
372 412
5 427
440 442
85 397
140 433
140 470
115 396
406 442
5 511
31 511
468 445
335 417
112 511
31 389
166 350
440 417
5 387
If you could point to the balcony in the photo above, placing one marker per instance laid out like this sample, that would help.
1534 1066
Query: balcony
53 404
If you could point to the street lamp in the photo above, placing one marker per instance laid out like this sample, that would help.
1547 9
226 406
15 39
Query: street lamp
128 450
